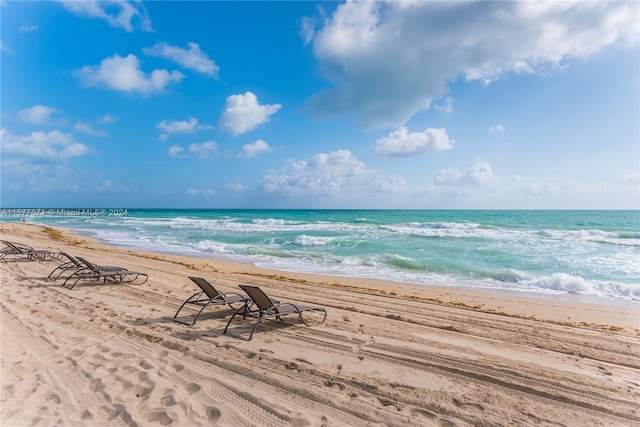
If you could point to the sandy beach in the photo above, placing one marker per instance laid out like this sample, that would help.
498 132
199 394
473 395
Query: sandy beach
389 354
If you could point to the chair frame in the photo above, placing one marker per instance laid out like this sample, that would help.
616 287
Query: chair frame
13 248
92 271
262 307
72 264
208 295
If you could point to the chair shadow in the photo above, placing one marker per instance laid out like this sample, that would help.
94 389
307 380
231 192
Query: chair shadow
44 284
238 329
59 284
206 315
20 258
241 329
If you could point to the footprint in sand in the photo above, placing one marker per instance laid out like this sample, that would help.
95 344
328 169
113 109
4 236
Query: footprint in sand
192 388
145 365
96 385
104 414
158 417
136 392
77 352
168 401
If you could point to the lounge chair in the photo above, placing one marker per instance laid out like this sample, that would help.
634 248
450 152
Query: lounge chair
12 248
261 307
206 297
72 264
91 271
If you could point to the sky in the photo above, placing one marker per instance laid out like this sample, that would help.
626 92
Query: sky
312 105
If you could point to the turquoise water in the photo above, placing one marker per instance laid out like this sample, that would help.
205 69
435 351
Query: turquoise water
595 253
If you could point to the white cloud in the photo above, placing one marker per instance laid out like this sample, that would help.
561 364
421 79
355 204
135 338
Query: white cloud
180 126
403 143
389 60
196 192
38 115
235 187
176 126
446 106
107 118
175 150
27 174
338 174
480 174
117 13
27 27
85 128
54 145
307 29
106 185
204 150
252 150
124 74
192 58
243 113
630 180
497 129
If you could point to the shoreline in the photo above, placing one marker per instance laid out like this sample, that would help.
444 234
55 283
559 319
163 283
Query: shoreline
565 297
388 354
459 296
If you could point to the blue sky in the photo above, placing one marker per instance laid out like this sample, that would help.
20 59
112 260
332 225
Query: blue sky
413 104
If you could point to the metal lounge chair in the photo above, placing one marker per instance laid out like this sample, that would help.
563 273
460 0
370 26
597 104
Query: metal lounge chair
72 264
91 271
261 307
208 296
12 248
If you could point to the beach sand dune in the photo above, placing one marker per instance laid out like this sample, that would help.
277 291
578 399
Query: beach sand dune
389 354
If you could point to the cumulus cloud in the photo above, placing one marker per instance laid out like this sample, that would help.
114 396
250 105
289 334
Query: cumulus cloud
204 150
480 174
175 150
89 130
497 129
338 173
38 115
243 113
124 74
403 143
192 58
389 60
252 150
180 126
54 145
107 118
117 13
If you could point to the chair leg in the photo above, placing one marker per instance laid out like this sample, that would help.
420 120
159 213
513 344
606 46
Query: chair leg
254 327
193 297
242 310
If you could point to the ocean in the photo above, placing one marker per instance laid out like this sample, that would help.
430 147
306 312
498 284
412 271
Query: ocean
595 254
